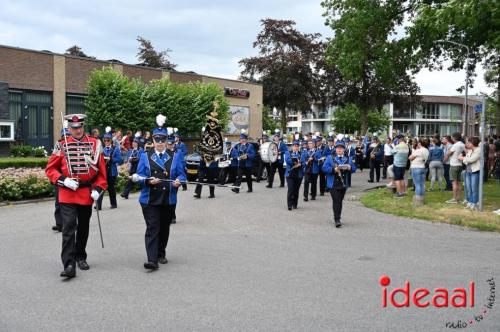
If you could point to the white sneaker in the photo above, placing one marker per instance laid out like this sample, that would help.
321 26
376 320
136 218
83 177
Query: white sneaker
497 212
452 201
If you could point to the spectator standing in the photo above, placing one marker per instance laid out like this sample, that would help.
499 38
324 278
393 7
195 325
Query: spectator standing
418 158
453 153
436 168
400 153
472 162
388 158
148 141
117 139
446 145
375 153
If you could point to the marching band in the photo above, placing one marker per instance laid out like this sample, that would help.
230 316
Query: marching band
81 170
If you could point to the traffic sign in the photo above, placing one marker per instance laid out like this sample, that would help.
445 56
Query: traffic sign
478 108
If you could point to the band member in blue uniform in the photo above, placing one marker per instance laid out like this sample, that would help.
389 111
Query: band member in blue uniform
337 168
322 177
294 173
132 158
278 164
179 146
112 157
311 169
351 153
228 174
244 153
160 173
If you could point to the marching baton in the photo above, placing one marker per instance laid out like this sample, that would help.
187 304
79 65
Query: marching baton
139 178
99 219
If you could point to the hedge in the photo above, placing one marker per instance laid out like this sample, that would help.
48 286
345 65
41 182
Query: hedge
23 162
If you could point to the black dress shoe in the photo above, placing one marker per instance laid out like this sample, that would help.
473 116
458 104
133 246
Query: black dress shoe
313 198
249 190
371 181
305 199
113 207
269 186
290 208
124 196
162 260
282 185
69 272
151 266
83 265
236 191
184 188
57 228
295 206
196 196
211 196
338 224
173 221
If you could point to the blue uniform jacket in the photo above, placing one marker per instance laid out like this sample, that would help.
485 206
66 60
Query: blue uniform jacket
289 163
329 169
115 159
282 150
176 172
379 154
242 149
306 154
181 147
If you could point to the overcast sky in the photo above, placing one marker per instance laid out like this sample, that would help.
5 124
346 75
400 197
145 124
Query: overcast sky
208 37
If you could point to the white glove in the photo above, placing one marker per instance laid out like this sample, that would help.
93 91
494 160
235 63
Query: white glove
71 183
95 195
136 177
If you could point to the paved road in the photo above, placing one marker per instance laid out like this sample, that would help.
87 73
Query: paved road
242 263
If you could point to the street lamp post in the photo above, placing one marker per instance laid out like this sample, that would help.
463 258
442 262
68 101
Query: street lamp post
465 128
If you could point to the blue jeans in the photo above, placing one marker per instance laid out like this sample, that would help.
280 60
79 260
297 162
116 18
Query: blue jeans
447 176
472 187
418 175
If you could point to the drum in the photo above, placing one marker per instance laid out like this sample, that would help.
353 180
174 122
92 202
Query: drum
269 152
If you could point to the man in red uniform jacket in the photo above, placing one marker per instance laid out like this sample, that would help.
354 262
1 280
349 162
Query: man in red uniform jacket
77 167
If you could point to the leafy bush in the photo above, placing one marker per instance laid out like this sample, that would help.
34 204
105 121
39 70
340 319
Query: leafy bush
16 184
39 152
10 189
23 162
115 100
21 150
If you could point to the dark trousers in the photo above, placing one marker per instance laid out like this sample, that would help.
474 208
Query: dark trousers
322 182
276 166
447 176
374 167
227 175
337 198
210 174
157 220
57 211
388 160
75 232
128 187
111 192
310 179
247 171
293 187
260 170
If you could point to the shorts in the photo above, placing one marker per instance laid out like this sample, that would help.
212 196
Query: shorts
455 173
399 173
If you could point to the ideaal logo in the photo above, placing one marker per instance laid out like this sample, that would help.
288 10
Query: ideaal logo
463 297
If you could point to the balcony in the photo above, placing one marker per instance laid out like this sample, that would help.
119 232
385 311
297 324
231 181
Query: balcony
317 115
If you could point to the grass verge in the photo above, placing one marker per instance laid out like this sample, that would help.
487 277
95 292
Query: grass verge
436 210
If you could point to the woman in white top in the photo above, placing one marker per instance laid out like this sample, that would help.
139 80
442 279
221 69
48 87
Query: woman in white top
472 164
418 159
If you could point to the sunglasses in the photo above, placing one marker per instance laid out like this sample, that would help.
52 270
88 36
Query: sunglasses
160 139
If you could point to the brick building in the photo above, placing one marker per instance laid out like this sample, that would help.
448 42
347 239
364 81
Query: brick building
36 86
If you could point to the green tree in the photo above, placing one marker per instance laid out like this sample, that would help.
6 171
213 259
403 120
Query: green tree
285 66
348 120
268 122
473 23
365 50
185 105
76 50
152 58
114 100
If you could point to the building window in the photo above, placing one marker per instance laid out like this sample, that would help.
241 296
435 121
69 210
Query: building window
75 104
15 110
